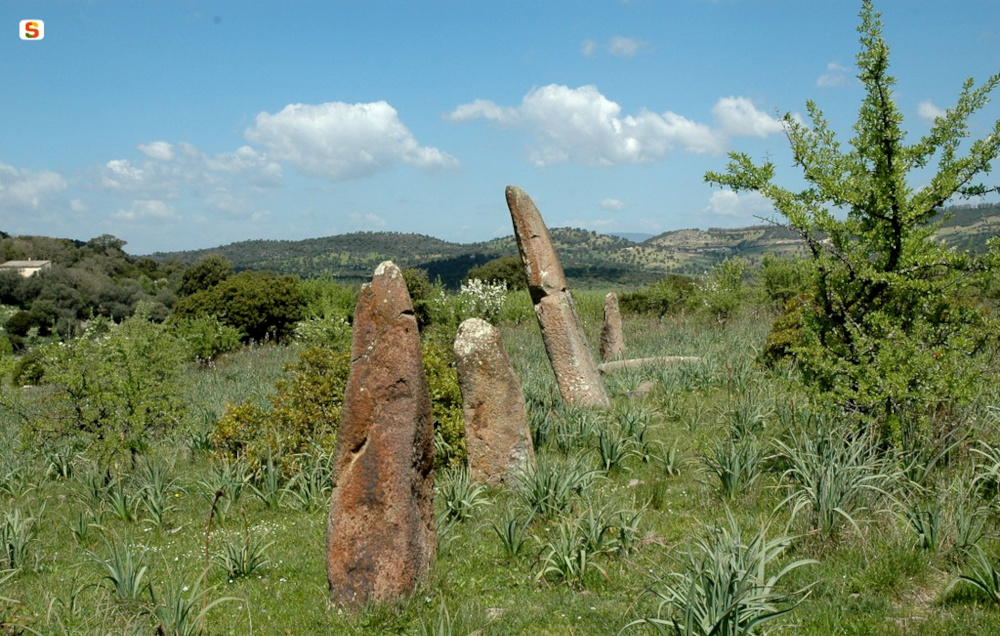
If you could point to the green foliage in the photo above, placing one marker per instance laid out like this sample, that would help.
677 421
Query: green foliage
446 404
507 270
671 294
727 587
205 274
461 496
304 413
112 389
784 278
886 332
264 307
723 291
207 337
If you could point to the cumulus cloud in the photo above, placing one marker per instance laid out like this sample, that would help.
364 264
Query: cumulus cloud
27 189
583 126
732 204
228 182
836 75
339 141
613 205
159 150
737 116
928 112
621 46
147 210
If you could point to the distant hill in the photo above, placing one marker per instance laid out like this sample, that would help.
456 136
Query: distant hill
587 257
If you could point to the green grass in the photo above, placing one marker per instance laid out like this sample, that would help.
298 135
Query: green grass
573 566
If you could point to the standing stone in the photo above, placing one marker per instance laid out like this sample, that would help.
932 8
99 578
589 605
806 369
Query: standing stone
565 343
497 437
380 539
612 338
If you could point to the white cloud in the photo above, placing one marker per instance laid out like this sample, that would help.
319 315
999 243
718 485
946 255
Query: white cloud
614 205
367 221
159 150
147 209
247 161
227 182
77 205
737 116
836 75
584 126
340 141
27 189
928 112
588 47
729 203
624 47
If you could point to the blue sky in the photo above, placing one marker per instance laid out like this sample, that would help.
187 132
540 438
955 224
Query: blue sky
183 125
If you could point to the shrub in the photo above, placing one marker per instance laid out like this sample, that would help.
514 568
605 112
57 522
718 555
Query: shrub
304 412
671 294
261 305
207 338
505 270
113 388
887 333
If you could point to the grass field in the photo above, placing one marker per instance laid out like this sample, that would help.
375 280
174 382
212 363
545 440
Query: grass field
596 538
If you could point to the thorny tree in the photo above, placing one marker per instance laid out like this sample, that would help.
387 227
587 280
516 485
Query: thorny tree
888 329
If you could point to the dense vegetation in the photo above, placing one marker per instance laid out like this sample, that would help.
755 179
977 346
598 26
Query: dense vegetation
831 464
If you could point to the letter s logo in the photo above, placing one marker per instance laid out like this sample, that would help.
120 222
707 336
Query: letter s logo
32 30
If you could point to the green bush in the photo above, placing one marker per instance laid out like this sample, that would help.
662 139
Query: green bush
671 294
112 389
304 413
264 307
507 270
207 337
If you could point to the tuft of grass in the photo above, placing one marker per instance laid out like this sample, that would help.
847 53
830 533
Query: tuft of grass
727 585
124 570
460 495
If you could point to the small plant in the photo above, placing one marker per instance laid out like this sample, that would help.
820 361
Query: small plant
725 588
924 519
124 570
229 478
267 484
614 449
461 496
548 488
17 531
180 614
833 475
155 488
737 463
120 500
81 524
60 461
242 556
512 531
567 557
310 487
982 574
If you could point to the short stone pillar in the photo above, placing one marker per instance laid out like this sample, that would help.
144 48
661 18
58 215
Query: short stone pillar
612 337
497 436
565 343
380 539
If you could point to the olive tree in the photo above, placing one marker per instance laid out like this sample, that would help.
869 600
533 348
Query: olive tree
885 329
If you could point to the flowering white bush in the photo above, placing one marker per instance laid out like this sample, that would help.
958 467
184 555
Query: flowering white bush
481 299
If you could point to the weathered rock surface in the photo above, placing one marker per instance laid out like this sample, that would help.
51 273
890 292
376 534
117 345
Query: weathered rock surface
565 343
380 537
612 337
497 437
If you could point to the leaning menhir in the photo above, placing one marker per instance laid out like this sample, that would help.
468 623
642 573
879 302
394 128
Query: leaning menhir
497 437
572 361
380 538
